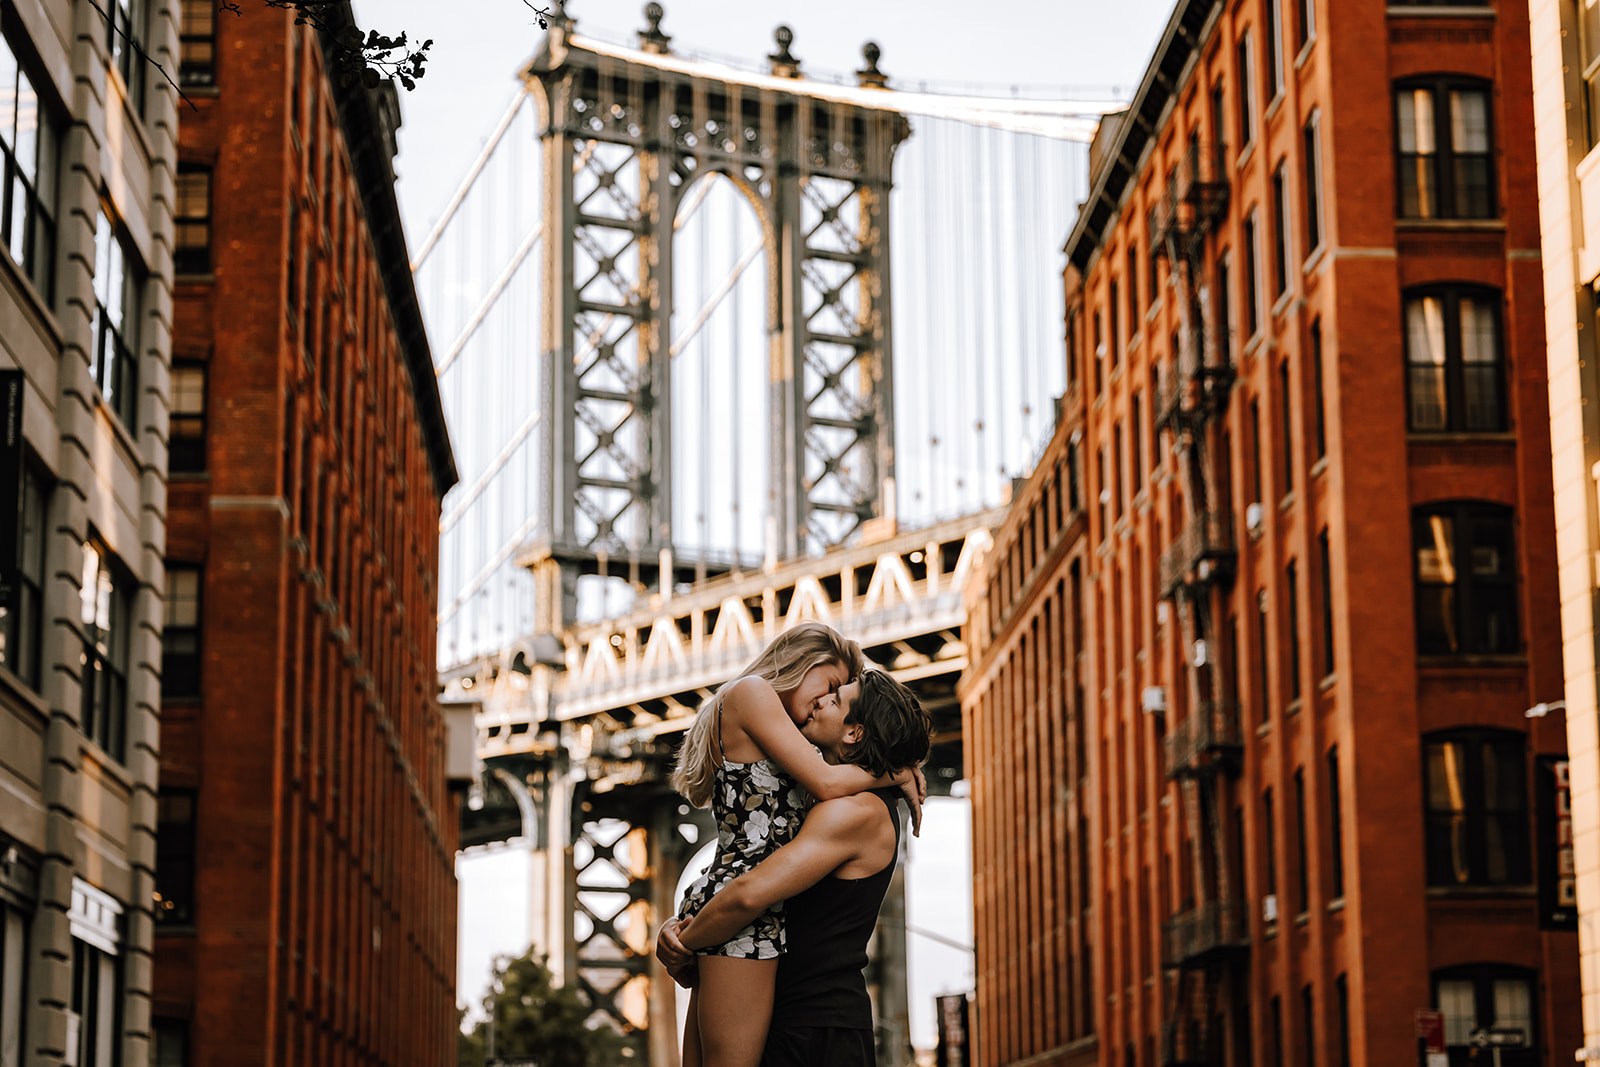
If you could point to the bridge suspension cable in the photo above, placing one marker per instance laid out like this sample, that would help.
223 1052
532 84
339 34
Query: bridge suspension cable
467 182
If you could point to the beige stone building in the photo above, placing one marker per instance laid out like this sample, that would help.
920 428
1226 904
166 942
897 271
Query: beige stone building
1565 43
87 157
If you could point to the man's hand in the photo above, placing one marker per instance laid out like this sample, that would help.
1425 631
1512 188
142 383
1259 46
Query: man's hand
915 789
679 961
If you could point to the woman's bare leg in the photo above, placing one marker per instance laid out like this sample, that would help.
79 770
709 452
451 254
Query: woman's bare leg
692 1056
735 1008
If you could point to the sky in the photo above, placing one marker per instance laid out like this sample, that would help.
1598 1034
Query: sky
1048 48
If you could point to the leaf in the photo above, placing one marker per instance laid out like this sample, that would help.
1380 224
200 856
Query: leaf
370 78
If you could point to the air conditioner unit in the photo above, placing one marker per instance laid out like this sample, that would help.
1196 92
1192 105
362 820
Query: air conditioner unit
1154 700
1254 517
1269 908
1201 654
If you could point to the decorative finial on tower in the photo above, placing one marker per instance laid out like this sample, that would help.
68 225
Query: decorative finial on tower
784 64
651 39
870 76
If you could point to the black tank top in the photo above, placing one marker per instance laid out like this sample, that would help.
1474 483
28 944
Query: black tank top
820 979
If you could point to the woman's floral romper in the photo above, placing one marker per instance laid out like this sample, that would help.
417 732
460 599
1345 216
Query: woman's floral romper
758 809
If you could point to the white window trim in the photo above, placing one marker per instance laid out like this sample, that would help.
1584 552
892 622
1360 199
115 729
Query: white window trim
1314 166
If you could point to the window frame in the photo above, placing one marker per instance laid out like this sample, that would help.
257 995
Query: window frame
26 606
1244 79
1311 175
195 73
187 430
1468 518
1474 816
33 249
189 258
1454 368
1281 248
104 708
1250 240
114 363
1444 156
1483 977
182 669
176 844
127 38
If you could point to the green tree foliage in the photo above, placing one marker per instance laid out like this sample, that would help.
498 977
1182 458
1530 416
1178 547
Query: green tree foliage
534 1020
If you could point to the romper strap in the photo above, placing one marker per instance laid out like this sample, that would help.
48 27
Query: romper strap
720 750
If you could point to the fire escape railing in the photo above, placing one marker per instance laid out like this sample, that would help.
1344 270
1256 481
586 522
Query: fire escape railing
1207 740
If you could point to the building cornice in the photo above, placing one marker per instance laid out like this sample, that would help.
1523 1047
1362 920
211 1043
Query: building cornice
1186 30
369 139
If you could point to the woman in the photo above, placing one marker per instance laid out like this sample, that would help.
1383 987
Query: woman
745 756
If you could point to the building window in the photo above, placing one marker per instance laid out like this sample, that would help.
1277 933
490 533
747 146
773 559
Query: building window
106 598
1589 52
1074 498
192 219
1104 485
1244 77
175 852
1224 310
1476 782
94 1018
1487 998
1269 843
1319 408
127 25
1342 991
116 323
1099 352
1453 360
1257 460
1301 844
1291 578
1133 289
197 42
28 169
1118 503
1466 579
1115 306
1277 1032
1325 569
1446 162
1136 443
171 1041
1311 160
14 924
1335 824
180 636
1286 407
1308 1014
186 443
1261 638
1273 28
22 616
1252 275
1280 231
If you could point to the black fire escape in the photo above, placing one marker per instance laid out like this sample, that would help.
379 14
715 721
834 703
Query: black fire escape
1204 943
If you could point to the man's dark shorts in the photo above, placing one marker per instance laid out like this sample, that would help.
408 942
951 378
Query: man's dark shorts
819 1046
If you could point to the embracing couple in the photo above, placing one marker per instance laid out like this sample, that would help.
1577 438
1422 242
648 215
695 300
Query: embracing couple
802 759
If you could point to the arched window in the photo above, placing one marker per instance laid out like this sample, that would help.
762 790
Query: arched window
1476 789
1487 1006
1454 373
1445 148
1466 579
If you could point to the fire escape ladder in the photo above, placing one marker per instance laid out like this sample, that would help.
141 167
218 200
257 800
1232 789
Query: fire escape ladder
1203 942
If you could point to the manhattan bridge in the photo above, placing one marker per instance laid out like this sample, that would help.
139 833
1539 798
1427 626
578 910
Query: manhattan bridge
722 348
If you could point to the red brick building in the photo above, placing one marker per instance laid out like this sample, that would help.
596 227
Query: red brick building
307 837
1252 777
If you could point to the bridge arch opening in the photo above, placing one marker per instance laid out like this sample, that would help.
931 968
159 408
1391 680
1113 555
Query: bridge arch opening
721 373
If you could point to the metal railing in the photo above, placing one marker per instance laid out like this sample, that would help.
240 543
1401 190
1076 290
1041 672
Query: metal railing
1208 739
1203 552
1204 934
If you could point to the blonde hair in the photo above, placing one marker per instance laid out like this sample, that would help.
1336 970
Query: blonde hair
784 664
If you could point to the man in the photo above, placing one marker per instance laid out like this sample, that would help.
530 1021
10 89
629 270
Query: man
834 876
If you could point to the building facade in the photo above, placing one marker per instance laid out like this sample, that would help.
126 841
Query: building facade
307 836
1254 779
87 151
1565 45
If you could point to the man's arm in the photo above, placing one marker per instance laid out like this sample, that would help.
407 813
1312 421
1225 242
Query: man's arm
830 837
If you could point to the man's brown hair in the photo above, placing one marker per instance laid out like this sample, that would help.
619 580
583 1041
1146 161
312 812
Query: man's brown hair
895 728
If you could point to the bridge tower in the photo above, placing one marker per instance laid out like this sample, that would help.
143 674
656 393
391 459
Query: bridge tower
626 133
